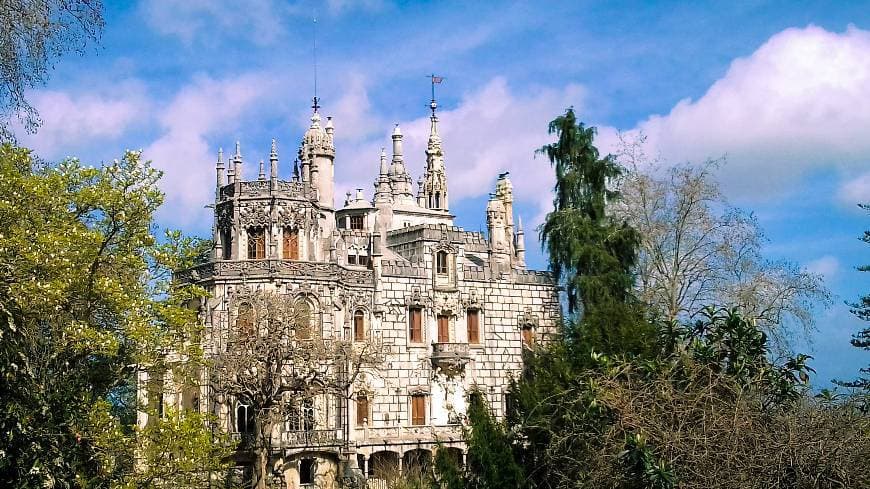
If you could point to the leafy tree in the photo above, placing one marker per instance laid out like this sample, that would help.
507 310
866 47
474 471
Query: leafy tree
84 297
592 253
861 339
35 33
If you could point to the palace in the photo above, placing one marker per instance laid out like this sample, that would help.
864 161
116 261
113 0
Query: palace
453 310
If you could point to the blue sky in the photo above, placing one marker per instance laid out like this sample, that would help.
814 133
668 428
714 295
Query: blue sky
781 88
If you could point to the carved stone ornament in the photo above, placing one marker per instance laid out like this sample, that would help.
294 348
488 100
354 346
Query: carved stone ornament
254 214
224 215
527 319
472 301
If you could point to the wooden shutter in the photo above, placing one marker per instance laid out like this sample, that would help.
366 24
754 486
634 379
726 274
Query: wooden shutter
443 328
415 328
362 410
291 244
473 323
359 331
418 409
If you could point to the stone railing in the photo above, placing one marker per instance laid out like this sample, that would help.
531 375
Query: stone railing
276 268
261 188
413 433
533 277
397 268
450 357
309 439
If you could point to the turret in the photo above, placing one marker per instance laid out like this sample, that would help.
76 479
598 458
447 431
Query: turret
499 244
318 155
400 179
504 190
383 191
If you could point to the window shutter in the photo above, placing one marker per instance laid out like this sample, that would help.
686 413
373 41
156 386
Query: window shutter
415 328
473 320
443 328
418 409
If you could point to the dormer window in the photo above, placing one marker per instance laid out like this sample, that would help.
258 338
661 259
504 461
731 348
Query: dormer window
256 244
441 263
356 222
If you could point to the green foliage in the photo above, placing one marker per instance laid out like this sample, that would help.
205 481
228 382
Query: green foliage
593 254
491 462
85 295
861 339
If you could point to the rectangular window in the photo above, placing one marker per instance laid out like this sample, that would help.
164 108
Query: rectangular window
443 328
362 410
415 324
441 263
291 244
473 322
256 244
351 259
227 243
362 260
418 409
359 330
356 222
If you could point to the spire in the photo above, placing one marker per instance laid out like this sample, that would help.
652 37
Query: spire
273 163
262 175
520 243
296 170
384 168
433 188
237 162
220 168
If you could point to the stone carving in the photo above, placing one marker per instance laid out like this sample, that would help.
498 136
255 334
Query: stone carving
254 214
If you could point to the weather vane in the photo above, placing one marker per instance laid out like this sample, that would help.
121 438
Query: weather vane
435 79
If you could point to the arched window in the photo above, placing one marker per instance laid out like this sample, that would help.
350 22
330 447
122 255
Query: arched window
359 331
437 200
244 419
256 243
227 242
441 263
528 335
290 248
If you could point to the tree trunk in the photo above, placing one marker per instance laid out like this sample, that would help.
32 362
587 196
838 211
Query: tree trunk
262 447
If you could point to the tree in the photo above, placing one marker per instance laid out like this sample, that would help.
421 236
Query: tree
275 363
590 251
35 33
83 299
861 309
697 250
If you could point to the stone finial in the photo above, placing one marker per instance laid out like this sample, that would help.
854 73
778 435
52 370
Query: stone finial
384 170
262 174
219 167
237 162
273 163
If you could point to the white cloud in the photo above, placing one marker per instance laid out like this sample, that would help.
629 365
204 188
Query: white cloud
201 108
73 119
255 20
799 103
856 190
827 266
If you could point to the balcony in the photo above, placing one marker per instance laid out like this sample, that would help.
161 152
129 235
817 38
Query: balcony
310 439
450 358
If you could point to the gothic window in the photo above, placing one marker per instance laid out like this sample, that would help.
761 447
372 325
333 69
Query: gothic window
441 263
290 247
362 410
418 409
307 420
244 419
415 324
356 222
443 328
306 471
359 331
256 244
472 319
437 200
245 319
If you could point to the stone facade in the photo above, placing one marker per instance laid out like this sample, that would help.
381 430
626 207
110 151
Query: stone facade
387 258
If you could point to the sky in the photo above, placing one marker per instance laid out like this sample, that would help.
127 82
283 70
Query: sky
781 89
